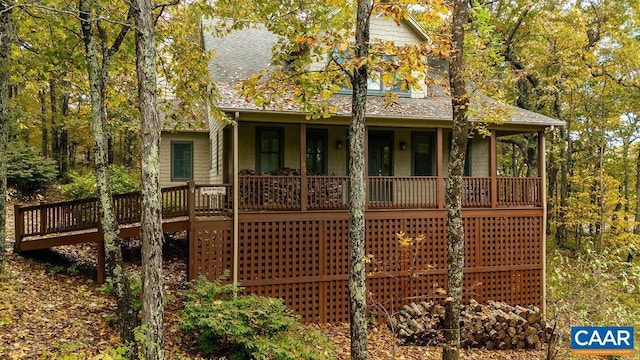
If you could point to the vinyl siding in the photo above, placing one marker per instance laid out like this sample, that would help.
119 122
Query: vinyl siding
201 157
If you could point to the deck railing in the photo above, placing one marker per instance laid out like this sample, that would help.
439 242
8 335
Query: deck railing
278 193
327 192
476 192
269 192
389 192
213 200
514 191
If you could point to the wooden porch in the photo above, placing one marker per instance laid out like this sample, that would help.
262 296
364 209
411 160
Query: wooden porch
301 255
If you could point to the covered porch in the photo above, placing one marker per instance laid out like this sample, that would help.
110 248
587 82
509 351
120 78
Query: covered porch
303 167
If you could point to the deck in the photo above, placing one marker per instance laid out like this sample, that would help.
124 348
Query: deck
293 235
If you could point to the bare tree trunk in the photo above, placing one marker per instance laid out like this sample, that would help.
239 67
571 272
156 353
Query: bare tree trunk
151 225
55 119
113 254
455 229
6 40
357 196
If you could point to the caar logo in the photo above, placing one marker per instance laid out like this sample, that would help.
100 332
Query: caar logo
594 340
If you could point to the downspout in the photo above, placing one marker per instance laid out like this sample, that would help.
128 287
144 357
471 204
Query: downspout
236 198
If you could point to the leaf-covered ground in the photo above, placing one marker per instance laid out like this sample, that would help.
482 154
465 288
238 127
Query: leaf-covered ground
50 307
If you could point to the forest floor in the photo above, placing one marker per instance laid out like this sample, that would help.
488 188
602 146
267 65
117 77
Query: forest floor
51 308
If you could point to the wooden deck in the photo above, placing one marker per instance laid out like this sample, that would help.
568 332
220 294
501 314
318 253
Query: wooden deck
297 248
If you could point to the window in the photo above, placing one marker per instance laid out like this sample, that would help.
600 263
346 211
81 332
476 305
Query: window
317 151
181 160
375 83
422 146
269 149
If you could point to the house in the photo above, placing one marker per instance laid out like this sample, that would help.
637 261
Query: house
287 234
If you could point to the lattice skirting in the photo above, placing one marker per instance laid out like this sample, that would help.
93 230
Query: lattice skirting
303 258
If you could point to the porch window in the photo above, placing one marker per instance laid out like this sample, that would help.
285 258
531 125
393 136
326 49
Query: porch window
422 152
269 145
181 160
317 151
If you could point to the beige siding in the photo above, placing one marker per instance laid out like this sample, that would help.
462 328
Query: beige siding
337 158
386 29
479 155
217 149
201 157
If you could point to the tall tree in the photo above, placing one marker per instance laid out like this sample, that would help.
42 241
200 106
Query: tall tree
455 229
6 40
98 59
151 224
357 205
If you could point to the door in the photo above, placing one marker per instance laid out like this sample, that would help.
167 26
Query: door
380 164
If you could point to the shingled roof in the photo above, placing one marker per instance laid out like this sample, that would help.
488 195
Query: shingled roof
245 52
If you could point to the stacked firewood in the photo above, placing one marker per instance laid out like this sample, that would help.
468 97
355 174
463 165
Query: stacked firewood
495 325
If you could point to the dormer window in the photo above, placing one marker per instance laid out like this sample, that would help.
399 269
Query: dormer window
375 83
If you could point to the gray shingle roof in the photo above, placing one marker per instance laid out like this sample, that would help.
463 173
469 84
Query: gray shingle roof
245 52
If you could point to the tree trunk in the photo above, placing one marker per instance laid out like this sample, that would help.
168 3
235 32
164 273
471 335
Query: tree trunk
357 196
455 229
6 40
55 119
113 254
43 125
64 138
151 224
636 229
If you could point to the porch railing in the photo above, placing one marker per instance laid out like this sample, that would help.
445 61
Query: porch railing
270 192
514 191
327 192
387 192
476 192
280 193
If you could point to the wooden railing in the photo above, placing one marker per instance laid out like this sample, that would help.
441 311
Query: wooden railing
269 192
416 192
328 192
476 192
213 200
75 215
279 193
519 191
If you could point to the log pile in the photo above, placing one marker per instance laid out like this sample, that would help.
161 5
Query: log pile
281 189
495 325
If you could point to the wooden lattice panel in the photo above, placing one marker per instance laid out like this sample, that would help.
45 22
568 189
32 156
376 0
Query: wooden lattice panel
301 298
211 249
434 252
279 250
336 234
336 305
304 259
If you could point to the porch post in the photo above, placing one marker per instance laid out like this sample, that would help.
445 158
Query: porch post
236 199
493 168
439 170
542 174
366 167
303 167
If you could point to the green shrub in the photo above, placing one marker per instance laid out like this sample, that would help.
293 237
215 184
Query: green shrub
83 184
250 327
26 169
